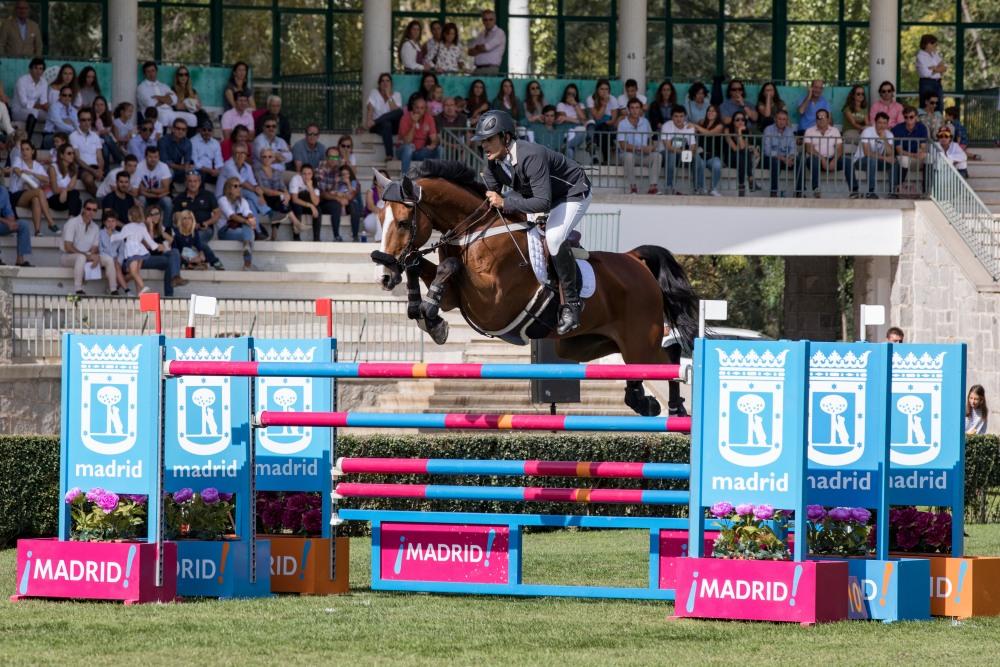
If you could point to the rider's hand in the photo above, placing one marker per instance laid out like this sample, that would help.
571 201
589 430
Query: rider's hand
495 199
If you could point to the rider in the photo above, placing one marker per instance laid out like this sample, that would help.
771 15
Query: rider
539 181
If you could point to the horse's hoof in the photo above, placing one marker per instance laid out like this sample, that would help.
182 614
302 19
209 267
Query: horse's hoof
652 407
677 409
429 311
439 332
413 312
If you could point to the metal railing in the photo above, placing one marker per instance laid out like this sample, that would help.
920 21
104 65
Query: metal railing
366 330
981 116
455 146
967 213
331 101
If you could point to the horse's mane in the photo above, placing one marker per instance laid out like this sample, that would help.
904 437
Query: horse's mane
450 170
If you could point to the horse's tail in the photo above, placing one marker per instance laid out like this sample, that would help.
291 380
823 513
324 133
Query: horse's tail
680 302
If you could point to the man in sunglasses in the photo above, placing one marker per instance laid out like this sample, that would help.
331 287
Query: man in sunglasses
810 104
206 153
887 104
142 140
62 116
911 139
309 150
175 150
269 140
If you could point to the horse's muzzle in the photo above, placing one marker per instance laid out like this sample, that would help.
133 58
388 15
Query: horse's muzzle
392 265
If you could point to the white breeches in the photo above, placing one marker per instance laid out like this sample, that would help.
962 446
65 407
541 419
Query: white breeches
562 220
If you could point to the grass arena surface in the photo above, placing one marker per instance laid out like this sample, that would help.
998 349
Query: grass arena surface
367 628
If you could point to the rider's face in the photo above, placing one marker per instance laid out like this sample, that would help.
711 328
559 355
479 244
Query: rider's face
494 147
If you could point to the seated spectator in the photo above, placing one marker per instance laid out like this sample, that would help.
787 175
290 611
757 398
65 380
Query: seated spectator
930 116
81 247
736 101
428 52
120 200
384 112
697 102
195 253
29 180
240 135
20 37
488 46
958 132
238 167
428 82
62 182
123 122
549 134
603 114
275 191
305 200
409 48
62 114
661 109
110 225
911 137
507 101
448 56
823 149
477 102
104 127
373 204
739 152
238 115
418 134
887 104
143 140
9 224
451 118
569 112
875 153
779 150
855 113
273 112
345 148
6 128
176 150
152 115
237 222
952 152
108 184
710 142
239 81
65 78
156 94
635 140
769 103
333 191
201 203
308 150
534 102
631 92
137 243
810 104
31 97
87 87
206 153
680 146
187 98
151 182
269 139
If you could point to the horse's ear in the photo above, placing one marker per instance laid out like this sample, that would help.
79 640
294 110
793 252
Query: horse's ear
411 191
393 193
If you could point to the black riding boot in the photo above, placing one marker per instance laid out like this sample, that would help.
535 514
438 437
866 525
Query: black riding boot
569 312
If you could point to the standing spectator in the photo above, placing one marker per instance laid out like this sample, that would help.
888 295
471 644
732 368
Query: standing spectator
81 246
123 121
952 152
206 153
911 139
384 112
779 149
104 126
156 94
9 224
769 103
177 151
62 181
308 150
238 115
534 102
894 335
887 104
418 134
710 142
237 222
305 200
680 141
29 183
87 87
874 154
477 102
739 152
662 107
736 101
409 48
31 97
326 182
635 140
187 96
239 81
488 46
65 77
20 37
238 167
824 151
279 147
548 134
697 102
62 115
602 108
201 203
429 50
631 92
152 180
976 412
810 104
930 116
855 113
274 189
119 200
448 57
930 68
195 253
273 112
143 140
507 101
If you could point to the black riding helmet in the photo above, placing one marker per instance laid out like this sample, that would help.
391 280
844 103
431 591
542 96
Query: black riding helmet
492 123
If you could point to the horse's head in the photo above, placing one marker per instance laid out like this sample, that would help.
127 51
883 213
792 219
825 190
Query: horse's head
404 228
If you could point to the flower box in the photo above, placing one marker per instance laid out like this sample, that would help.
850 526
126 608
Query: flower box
805 592
964 587
222 569
673 548
126 571
302 565
886 590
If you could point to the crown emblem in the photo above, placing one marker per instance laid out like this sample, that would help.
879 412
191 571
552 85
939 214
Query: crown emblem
109 357
913 367
751 364
285 355
203 354
839 367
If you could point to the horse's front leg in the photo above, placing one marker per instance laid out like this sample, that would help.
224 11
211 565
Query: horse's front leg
413 296
431 304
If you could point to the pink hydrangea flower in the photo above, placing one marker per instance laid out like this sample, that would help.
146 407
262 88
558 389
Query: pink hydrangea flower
73 494
744 509
815 512
107 502
763 512
721 510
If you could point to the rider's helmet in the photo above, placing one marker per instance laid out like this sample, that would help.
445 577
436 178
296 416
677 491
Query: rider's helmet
492 123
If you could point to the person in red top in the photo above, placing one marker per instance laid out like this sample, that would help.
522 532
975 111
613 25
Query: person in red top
417 133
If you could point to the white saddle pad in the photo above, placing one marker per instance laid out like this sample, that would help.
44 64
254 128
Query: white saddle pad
536 254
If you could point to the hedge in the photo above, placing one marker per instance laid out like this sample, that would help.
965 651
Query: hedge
29 472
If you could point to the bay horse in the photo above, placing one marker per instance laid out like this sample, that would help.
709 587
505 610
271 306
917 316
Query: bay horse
484 271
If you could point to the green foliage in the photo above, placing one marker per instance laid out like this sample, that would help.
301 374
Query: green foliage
29 487
745 537
754 287
194 518
831 536
125 521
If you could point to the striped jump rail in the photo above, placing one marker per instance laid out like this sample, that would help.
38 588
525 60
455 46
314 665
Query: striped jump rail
473 421
596 469
442 371
510 493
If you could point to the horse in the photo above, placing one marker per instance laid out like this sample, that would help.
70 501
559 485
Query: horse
484 271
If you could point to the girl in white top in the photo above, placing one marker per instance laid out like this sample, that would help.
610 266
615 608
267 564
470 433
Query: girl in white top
62 182
237 222
304 198
136 245
409 48
976 412
66 77
29 186
124 124
382 100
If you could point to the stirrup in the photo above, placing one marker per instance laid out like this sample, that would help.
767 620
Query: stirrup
569 317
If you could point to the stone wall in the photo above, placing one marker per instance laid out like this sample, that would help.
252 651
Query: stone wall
29 399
